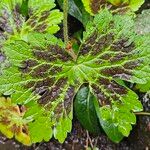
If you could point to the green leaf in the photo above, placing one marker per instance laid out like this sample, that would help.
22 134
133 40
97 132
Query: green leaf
135 5
77 10
34 84
64 126
143 27
41 72
107 123
116 121
143 22
85 110
12 123
73 9
10 19
41 18
39 5
143 87
13 23
93 6
24 8
44 131
131 4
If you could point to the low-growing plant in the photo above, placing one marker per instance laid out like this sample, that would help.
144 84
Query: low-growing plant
41 75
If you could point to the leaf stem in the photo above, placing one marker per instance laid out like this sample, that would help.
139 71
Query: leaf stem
65 30
65 21
142 113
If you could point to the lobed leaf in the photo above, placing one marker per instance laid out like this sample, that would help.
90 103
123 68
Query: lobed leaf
41 18
39 72
14 25
41 75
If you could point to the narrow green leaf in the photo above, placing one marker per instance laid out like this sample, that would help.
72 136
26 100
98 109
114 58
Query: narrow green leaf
73 9
85 110
77 10
24 8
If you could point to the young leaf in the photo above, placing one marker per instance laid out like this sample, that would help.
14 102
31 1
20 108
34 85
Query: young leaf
93 6
12 122
85 110
41 72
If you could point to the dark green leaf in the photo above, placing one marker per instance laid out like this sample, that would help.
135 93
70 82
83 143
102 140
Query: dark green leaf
24 8
73 9
85 110
76 9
